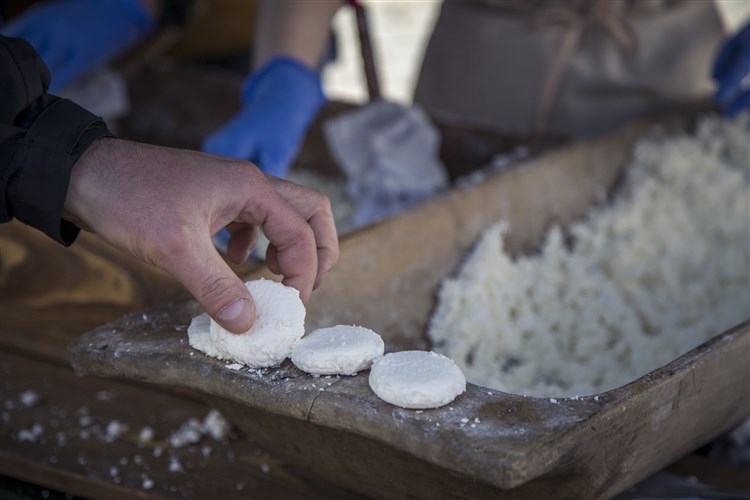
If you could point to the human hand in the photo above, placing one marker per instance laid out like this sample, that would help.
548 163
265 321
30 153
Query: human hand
732 73
280 100
75 36
162 205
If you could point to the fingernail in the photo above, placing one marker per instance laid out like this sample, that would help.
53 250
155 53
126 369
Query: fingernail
237 317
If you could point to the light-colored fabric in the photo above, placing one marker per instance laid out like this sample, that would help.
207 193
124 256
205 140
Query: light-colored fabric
390 156
616 60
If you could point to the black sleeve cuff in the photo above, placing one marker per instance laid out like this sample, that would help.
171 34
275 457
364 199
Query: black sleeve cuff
44 158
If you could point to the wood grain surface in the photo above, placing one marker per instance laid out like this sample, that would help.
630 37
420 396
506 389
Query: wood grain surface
49 295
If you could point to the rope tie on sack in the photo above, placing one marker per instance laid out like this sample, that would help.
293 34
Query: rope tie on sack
605 15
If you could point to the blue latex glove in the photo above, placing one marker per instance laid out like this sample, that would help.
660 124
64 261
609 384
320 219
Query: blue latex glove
279 102
75 36
732 73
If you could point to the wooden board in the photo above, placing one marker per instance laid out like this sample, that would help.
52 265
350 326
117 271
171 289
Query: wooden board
48 295
386 279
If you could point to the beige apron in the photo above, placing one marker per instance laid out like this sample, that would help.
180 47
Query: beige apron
570 67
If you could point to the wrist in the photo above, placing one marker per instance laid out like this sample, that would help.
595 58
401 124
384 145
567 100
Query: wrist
81 188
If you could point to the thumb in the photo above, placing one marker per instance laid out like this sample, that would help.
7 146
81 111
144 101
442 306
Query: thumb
210 280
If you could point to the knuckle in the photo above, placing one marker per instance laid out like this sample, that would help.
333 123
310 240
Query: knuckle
160 247
173 243
321 201
214 290
247 167
334 255
327 264
300 237
303 237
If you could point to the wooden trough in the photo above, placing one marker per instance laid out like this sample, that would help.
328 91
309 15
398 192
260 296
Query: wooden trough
509 446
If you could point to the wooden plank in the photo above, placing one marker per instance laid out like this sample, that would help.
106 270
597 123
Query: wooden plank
72 454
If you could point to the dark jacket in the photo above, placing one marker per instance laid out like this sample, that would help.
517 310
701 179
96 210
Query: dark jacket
41 138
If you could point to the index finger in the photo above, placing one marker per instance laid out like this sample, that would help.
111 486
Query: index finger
290 235
315 208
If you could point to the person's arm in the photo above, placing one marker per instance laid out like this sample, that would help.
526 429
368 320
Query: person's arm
296 29
281 97
41 138
60 170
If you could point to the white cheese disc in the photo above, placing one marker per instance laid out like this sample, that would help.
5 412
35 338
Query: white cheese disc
416 379
339 350
199 337
279 323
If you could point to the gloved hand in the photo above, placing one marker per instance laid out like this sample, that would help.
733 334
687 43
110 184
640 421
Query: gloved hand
732 73
75 36
279 102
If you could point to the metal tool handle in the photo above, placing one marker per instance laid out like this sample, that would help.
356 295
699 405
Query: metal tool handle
365 43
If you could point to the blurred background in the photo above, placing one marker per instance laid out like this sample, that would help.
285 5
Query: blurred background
401 31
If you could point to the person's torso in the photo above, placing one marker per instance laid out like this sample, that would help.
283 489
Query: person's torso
593 64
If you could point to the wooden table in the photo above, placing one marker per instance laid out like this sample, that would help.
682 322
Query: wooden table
50 294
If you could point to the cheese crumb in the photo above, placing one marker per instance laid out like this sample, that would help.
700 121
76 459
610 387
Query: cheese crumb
115 429
31 435
175 465
189 433
29 398
216 425
146 435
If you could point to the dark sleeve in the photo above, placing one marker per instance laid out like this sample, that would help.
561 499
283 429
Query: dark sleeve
41 138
